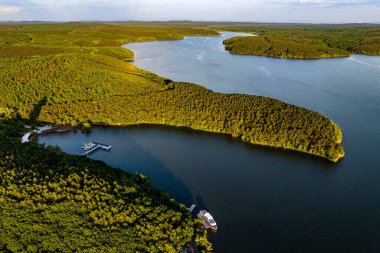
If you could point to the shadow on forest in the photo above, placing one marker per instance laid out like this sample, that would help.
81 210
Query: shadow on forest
35 113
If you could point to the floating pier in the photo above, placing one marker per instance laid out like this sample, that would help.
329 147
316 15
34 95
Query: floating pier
191 208
95 146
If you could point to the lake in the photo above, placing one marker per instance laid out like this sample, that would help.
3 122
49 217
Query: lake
263 199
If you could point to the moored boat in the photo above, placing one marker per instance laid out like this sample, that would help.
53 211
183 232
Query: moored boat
208 219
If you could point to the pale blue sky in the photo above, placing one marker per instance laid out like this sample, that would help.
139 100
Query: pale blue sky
326 11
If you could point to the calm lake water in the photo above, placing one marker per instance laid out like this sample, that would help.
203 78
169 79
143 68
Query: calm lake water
264 200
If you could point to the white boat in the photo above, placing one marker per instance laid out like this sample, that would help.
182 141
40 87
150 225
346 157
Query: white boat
206 216
88 146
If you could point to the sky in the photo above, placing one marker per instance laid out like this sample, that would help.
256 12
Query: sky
309 11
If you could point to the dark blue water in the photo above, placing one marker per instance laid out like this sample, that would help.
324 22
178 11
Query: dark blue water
264 200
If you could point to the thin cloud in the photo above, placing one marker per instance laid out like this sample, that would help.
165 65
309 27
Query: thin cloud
9 9
60 3
321 3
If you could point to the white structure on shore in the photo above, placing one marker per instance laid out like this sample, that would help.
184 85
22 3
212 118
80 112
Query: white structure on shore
39 130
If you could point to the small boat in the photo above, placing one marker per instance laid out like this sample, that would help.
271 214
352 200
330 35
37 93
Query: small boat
88 146
206 216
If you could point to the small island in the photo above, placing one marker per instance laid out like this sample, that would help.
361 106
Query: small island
305 41
283 47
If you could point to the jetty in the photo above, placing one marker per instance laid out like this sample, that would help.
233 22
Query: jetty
92 146
191 208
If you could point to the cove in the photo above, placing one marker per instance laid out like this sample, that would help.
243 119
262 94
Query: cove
264 200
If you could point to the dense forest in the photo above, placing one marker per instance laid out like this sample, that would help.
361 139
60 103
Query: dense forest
55 202
304 41
88 84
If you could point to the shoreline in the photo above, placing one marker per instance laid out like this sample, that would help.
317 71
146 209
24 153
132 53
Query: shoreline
68 128
32 136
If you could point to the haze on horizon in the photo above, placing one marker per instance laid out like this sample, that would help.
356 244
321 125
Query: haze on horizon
322 11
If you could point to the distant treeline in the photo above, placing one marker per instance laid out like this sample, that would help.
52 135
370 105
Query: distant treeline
20 40
305 41
55 202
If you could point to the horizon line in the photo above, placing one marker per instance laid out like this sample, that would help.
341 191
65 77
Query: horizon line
193 21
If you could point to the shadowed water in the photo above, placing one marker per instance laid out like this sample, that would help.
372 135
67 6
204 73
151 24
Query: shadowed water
264 200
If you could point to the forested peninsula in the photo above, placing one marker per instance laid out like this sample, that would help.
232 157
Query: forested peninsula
307 42
74 74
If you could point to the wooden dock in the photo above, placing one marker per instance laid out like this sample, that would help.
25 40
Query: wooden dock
97 146
191 208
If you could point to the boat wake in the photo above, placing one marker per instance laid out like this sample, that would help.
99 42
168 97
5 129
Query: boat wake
364 63
266 72
201 56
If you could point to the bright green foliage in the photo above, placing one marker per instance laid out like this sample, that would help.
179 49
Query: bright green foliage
55 202
304 41
85 85
86 128
7 113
